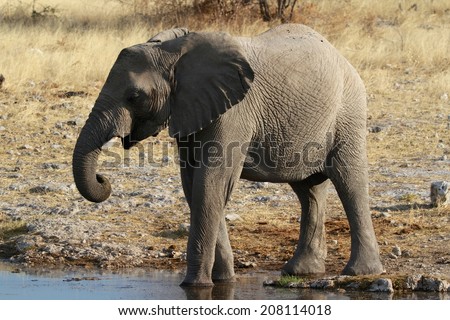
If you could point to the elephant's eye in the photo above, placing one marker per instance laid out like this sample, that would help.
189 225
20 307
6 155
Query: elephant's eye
133 95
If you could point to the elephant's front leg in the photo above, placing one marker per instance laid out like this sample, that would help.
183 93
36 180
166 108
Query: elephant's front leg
223 269
201 246
208 262
209 253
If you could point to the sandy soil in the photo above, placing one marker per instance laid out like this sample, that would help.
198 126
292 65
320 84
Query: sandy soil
45 221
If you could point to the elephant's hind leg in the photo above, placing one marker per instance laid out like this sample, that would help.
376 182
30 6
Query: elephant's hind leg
309 257
351 182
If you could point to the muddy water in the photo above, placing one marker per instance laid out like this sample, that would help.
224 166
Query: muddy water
140 284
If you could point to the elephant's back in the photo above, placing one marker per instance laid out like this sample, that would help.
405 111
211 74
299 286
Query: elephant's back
296 37
294 46
297 63
294 31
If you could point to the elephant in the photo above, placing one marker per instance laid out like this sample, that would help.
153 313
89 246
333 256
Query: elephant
283 107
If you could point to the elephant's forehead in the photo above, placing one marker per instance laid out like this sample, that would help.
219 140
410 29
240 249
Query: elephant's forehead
143 76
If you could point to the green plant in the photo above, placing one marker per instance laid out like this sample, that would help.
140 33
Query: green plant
285 280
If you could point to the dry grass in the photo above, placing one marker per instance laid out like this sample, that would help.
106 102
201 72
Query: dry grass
401 51
64 46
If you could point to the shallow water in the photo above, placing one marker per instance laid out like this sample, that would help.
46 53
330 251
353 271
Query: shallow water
142 284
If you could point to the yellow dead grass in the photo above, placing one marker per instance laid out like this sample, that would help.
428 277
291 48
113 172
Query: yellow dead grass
77 44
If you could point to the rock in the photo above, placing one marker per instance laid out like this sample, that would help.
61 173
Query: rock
397 251
233 217
353 286
382 215
392 256
166 159
443 97
260 185
2 79
269 283
300 284
406 254
246 264
262 198
184 227
52 249
175 254
70 94
381 285
25 243
375 129
322 284
42 189
15 176
59 125
430 284
2 128
412 282
439 193
16 187
77 122
55 166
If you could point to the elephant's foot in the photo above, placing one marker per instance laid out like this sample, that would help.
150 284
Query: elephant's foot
304 265
208 283
223 273
224 280
363 266
196 283
197 279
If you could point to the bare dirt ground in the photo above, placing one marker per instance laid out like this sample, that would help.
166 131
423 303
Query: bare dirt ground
52 78
46 222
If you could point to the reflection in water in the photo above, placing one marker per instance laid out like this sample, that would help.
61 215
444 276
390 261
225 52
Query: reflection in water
143 284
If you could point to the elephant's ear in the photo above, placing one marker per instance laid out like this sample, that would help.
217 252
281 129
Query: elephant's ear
211 76
169 35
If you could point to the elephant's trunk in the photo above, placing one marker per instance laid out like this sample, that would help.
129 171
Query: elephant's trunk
92 186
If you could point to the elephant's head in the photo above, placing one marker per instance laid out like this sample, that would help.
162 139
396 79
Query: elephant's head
180 79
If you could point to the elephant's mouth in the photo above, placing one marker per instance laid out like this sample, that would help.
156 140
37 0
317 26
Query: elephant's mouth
127 142
130 141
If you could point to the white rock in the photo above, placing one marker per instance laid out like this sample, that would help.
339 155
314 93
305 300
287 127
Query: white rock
233 217
261 185
246 264
397 251
392 256
381 285
439 193
184 227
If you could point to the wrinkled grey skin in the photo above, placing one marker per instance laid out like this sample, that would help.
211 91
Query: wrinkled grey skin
283 107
